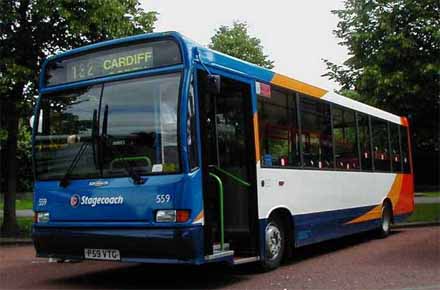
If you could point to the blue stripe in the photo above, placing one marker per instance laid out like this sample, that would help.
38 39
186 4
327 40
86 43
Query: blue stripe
320 226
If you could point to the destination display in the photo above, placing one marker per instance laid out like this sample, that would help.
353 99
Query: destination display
112 61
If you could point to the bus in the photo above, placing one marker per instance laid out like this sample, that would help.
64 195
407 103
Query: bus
155 149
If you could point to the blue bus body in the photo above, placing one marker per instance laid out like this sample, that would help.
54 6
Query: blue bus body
130 227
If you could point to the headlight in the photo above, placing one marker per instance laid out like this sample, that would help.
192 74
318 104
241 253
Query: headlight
172 216
43 217
166 216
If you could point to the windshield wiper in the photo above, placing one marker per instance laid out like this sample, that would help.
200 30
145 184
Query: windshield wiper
137 179
65 181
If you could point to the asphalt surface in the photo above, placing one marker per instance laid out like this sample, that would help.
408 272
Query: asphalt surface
426 199
22 213
408 259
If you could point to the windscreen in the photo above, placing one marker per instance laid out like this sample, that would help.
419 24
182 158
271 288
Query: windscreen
130 123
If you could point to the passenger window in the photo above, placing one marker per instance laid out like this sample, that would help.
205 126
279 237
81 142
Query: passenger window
365 141
279 140
396 163
346 145
380 145
405 149
316 133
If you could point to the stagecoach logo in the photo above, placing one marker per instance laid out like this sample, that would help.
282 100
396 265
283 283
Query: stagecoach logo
76 200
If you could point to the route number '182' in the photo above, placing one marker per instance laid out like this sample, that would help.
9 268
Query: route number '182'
163 198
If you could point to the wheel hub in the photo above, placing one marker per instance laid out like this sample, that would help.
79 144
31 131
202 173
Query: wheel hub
273 240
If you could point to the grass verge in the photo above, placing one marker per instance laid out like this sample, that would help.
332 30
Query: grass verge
431 193
429 212
20 204
25 224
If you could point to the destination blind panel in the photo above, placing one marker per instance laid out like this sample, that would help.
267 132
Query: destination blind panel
111 61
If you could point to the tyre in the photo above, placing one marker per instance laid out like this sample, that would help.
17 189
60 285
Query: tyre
385 221
275 244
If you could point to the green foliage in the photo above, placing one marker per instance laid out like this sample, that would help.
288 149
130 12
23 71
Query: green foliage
25 224
31 30
394 49
24 156
429 212
20 204
3 135
236 41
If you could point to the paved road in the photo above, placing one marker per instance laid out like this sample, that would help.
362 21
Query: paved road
408 259
21 213
426 199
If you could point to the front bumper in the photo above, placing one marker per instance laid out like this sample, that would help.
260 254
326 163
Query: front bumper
149 245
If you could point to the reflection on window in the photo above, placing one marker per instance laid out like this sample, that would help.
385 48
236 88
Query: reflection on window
365 142
344 131
405 149
142 124
382 160
278 129
67 120
396 164
138 122
316 133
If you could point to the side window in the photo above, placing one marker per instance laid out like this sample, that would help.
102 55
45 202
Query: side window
346 145
316 133
191 129
279 140
380 145
405 149
396 164
365 141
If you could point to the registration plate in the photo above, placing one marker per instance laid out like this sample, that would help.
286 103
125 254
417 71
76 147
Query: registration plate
102 254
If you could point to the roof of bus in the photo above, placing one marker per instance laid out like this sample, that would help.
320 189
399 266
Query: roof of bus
222 61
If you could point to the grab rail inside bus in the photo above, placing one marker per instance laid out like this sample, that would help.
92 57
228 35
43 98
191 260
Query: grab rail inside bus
234 177
222 222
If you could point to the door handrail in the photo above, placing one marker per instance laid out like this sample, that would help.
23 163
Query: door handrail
222 222
234 177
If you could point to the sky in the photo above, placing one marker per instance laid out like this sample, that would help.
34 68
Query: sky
295 34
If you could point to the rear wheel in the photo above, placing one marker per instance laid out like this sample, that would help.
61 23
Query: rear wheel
275 244
386 220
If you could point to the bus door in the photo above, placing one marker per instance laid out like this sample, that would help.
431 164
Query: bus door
228 162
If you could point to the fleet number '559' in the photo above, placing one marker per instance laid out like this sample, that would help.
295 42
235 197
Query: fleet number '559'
163 198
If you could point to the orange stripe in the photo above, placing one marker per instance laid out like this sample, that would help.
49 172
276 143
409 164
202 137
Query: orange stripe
199 216
298 86
376 212
257 138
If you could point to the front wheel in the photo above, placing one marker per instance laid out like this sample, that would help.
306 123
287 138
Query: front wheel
274 244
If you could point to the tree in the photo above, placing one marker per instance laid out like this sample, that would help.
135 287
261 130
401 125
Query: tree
30 30
236 41
394 62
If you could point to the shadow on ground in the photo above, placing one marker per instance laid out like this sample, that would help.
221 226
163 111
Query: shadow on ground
211 276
